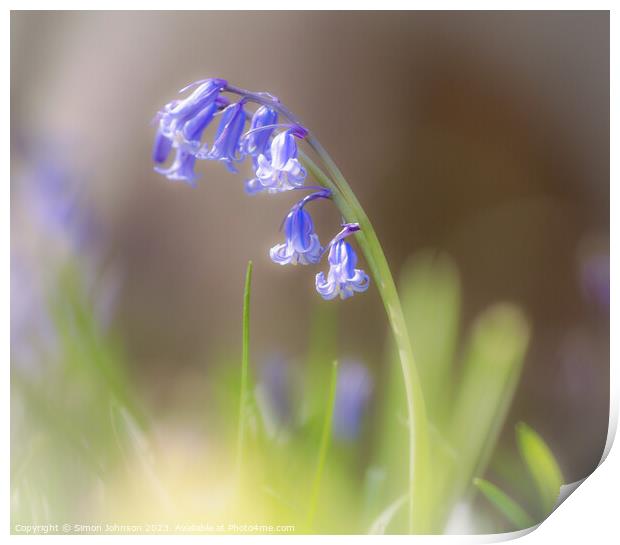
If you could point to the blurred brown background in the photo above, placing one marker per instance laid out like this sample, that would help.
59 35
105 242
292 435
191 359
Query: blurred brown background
485 135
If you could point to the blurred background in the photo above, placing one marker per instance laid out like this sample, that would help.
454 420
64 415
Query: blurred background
483 136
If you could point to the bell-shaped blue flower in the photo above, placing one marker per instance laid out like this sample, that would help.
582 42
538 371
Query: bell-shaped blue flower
226 146
343 278
301 245
192 130
181 132
205 93
282 171
256 141
182 168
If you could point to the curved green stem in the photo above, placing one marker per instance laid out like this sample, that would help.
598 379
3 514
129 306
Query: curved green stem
346 201
367 239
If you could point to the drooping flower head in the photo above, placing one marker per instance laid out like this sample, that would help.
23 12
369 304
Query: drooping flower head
343 279
271 141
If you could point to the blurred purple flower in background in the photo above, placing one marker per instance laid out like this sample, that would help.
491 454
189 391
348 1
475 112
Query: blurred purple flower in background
31 328
56 229
353 392
273 394
49 193
594 275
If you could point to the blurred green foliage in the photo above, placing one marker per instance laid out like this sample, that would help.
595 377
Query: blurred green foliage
510 508
86 448
64 436
542 466
545 473
467 395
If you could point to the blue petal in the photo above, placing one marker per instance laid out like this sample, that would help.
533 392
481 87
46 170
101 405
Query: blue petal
161 147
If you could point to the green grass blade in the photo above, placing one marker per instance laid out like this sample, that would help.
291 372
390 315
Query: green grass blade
542 465
324 445
491 370
431 296
510 508
244 396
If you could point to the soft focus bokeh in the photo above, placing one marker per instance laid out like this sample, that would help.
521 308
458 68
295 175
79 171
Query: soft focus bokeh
478 144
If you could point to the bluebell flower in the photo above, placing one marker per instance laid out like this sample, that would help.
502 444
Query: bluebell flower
206 93
343 278
301 245
182 168
227 146
182 122
50 204
282 171
256 141
185 138
191 132
277 168
55 197
353 391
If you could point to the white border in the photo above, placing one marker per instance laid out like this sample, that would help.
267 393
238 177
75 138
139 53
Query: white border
589 514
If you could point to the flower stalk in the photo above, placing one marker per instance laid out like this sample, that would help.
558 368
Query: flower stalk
281 166
352 211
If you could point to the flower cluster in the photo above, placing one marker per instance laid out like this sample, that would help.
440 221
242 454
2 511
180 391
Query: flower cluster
271 142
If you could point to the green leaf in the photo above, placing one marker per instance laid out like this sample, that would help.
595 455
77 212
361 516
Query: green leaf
542 465
491 370
431 296
511 509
